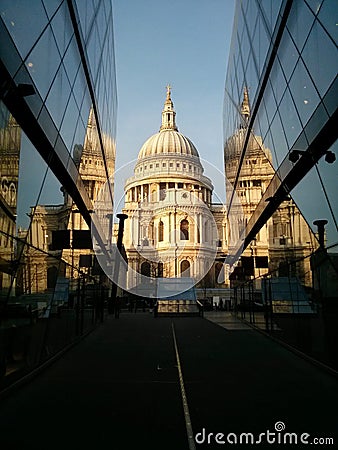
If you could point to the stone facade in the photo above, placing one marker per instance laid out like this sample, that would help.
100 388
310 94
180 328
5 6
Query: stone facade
173 230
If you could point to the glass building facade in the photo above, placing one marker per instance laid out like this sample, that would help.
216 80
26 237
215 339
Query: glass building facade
280 107
58 106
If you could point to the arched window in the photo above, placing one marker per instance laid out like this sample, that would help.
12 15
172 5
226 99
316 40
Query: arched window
145 269
160 231
206 231
145 242
185 268
184 227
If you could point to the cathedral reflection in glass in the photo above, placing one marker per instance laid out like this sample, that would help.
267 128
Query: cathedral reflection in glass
280 147
57 148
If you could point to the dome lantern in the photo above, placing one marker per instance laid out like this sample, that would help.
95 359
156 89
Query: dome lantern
168 113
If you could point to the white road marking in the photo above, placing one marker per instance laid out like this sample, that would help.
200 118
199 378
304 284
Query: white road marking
188 425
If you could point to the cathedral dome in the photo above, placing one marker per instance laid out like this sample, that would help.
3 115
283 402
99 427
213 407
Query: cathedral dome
167 158
168 141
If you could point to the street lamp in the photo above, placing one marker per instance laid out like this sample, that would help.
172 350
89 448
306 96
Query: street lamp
122 218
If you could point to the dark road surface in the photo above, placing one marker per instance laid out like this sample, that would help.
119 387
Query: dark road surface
120 388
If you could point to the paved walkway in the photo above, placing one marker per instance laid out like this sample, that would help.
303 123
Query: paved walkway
121 388
226 320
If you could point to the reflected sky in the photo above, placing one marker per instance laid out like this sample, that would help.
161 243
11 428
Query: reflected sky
37 184
314 202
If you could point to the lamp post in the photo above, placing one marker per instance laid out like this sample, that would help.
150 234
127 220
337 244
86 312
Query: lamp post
320 223
122 218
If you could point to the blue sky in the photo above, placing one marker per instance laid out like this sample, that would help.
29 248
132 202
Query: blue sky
184 43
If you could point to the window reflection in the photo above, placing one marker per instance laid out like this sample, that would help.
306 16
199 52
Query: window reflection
322 194
10 140
43 62
303 92
39 275
299 23
291 123
288 55
58 96
327 16
67 127
62 28
279 138
317 55
278 83
260 44
15 17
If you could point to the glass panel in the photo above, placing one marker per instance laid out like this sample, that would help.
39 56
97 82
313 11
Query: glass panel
58 96
10 142
14 13
71 61
329 175
69 121
262 120
316 123
279 139
85 108
92 52
79 136
303 92
328 17
329 100
31 181
299 23
48 126
270 103
310 191
62 28
261 44
62 151
318 57
43 62
269 143
101 24
251 14
245 46
51 6
8 52
85 12
251 75
291 122
238 80
278 82
34 101
271 9
288 55
315 5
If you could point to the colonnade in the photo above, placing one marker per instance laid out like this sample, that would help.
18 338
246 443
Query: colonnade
153 192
